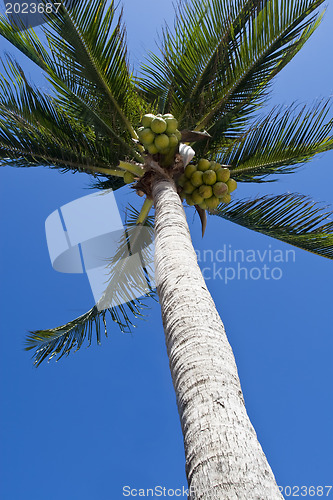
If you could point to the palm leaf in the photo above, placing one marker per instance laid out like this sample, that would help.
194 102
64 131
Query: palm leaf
218 64
79 94
191 52
265 46
292 218
35 130
26 42
63 339
89 47
280 142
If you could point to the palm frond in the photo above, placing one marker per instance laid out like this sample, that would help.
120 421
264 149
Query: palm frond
71 336
80 69
218 64
191 52
132 215
35 130
266 44
292 218
27 42
277 144
88 45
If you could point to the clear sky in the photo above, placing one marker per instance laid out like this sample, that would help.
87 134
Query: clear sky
106 417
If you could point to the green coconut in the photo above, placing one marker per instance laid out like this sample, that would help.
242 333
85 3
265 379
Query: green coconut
209 177
181 180
205 191
189 200
152 149
172 125
162 142
146 136
214 166
232 185
223 174
196 178
212 202
203 164
178 134
173 141
196 197
226 199
147 119
158 125
220 189
188 187
189 170
203 205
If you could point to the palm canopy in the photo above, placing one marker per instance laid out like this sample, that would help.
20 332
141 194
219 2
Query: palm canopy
213 73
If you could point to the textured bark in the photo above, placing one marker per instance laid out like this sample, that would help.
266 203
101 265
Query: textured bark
224 459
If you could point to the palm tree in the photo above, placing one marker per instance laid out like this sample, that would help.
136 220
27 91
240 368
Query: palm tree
213 74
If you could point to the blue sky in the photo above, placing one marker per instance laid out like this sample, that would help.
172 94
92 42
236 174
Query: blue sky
106 417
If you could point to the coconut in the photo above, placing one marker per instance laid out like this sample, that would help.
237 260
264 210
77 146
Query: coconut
212 202
203 205
178 135
226 198
158 125
146 136
196 178
188 188
223 174
205 191
203 164
128 177
220 189
173 141
214 166
189 170
147 119
172 125
152 149
209 177
196 197
162 142
232 184
189 200
181 180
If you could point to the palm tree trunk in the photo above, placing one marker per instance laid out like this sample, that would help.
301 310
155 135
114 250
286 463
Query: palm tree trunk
224 459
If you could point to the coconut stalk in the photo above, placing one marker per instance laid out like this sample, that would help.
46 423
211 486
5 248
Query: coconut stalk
146 207
134 168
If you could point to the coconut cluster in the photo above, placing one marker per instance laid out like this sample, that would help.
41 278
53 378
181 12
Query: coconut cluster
159 133
206 184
